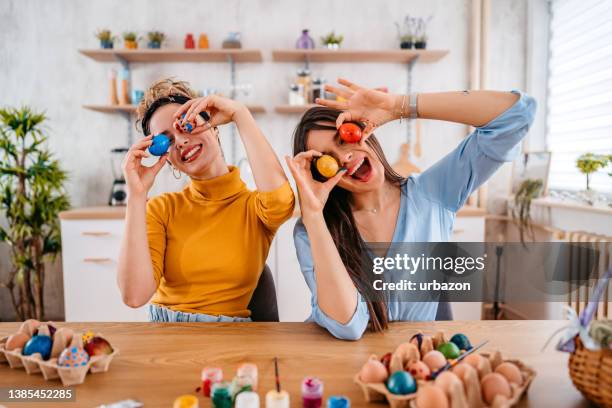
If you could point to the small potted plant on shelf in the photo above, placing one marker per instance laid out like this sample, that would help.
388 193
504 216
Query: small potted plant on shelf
156 38
332 41
106 38
588 164
527 191
420 33
405 32
130 40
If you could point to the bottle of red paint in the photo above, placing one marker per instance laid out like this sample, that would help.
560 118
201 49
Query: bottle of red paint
210 376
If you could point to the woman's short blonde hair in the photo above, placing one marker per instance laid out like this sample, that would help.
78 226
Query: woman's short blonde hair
163 89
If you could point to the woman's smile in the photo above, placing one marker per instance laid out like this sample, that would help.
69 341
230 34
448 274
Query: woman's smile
361 170
190 153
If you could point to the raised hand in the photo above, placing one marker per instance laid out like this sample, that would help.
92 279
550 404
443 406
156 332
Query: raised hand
139 178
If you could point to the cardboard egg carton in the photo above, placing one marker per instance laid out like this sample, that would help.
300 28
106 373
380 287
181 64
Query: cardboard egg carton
50 369
378 392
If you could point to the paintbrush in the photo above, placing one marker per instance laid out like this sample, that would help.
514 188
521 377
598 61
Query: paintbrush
456 361
276 374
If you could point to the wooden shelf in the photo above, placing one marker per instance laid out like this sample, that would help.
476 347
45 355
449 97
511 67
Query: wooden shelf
173 55
132 108
346 55
293 108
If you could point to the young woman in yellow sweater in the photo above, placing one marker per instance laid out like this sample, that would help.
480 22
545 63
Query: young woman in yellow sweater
197 254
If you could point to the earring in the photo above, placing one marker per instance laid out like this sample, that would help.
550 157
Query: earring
174 170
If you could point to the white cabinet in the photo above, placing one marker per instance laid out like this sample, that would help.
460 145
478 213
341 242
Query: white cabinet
89 255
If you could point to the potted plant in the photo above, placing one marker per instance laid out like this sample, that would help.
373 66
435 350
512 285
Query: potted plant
31 197
420 33
405 32
588 164
106 38
527 191
156 38
130 40
332 41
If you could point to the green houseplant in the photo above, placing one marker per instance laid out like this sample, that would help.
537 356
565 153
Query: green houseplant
156 38
527 191
130 40
31 196
590 163
332 41
106 38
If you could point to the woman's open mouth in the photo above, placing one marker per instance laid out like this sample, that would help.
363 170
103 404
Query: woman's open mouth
361 171
191 153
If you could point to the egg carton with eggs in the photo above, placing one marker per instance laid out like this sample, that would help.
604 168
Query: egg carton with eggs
56 353
403 378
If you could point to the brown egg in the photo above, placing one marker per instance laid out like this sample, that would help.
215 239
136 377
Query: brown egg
473 360
494 384
430 396
418 370
511 372
460 369
434 360
16 341
373 371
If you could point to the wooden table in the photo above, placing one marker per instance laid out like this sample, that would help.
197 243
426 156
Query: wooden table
159 362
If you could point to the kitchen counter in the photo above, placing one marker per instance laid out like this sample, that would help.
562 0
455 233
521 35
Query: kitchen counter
114 213
158 362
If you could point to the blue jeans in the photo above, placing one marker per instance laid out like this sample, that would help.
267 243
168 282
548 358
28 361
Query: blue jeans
163 314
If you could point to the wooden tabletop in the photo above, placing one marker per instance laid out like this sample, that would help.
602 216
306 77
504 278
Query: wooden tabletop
159 362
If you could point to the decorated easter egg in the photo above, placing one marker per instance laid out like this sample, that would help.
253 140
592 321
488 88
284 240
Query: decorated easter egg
350 132
73 357
418 370
434 360
97 346
401 383
461 341
511 372
449 350
373 371
160 145
327 166
38 344
430 396
16 341
494 384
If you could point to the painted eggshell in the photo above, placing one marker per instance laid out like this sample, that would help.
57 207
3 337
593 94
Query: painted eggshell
418 370
386 360
450 350
16 341
430 396
73 357
401 383
461 341
511 372
494 384
97 346
434 360
373 371
160 145
38 344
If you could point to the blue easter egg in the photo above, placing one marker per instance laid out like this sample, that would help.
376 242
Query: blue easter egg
38 344
160 145
401 383
461 341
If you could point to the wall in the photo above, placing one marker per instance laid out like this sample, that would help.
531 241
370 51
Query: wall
40 66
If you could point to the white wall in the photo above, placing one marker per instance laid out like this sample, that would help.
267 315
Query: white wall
40 66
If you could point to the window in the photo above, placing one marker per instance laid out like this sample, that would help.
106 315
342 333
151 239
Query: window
579 117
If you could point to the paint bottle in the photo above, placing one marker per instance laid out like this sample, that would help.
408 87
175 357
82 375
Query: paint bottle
338 401
277 399
203 41
241 384
247 399
248 370
210 376
220 395
312 392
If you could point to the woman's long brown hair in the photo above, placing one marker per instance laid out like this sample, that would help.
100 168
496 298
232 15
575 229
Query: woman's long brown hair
339 216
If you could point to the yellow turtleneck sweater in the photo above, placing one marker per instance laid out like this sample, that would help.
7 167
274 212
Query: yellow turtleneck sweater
209 243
